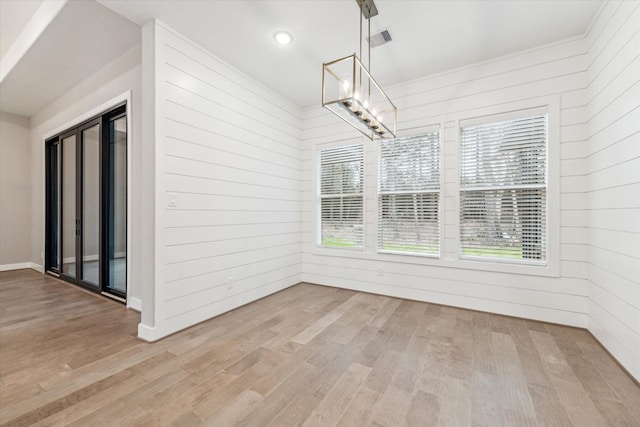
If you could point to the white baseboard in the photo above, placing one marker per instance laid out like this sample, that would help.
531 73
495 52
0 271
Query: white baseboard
18 266
147 333
134 304
21 266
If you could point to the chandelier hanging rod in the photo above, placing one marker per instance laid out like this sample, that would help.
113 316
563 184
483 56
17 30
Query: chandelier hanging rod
350 91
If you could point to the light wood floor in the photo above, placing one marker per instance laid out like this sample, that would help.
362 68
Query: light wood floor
309 355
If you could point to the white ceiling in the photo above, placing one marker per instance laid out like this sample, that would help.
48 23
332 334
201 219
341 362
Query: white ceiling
428 36
82 39
14 16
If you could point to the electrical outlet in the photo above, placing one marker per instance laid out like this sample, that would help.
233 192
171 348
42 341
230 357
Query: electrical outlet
380 272
229 283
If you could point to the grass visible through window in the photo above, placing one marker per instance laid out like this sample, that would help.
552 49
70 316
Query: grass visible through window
417 249
337 242
515 253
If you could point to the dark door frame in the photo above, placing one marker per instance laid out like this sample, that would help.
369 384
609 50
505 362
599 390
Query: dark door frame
54 201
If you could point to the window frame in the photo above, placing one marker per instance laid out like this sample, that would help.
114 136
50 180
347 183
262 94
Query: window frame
524 114
450 197
550 106
318 196
437 127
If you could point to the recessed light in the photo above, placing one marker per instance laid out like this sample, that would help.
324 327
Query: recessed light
282 37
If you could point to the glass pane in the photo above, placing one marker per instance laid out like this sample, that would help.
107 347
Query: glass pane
90 204
54 243
118 205
69 206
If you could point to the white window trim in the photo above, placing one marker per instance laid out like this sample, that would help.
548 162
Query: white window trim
402 133
317 222
550 106
452 189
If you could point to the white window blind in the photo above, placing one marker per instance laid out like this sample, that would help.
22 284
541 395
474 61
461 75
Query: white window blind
341 201
409 194
503 189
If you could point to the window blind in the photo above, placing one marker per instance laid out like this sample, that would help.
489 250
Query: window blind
409 194
503 197
341 200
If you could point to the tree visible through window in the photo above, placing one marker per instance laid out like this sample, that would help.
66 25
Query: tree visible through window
409 194
341 202
503 189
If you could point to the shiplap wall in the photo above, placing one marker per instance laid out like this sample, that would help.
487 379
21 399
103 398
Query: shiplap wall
527 79
613 170
229 156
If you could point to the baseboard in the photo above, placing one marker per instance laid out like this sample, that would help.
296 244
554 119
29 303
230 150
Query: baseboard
134 304
36 267
17 266
22 266
610 353
147 333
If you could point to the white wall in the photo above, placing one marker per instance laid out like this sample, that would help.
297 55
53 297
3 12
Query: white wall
555 73
120 76
15 189
613 170
228 155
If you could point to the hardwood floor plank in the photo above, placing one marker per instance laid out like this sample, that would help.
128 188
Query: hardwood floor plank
575 399
230 414
317 327
486 408
331 407
423 410
391 408
515 395
358 411
549 410
308 355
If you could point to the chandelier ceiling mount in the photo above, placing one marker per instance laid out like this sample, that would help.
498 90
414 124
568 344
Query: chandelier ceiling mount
350 92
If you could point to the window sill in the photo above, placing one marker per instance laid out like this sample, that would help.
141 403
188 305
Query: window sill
551 269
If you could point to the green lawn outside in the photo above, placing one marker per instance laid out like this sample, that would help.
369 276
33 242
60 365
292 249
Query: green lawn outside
416 249
515 253
337 242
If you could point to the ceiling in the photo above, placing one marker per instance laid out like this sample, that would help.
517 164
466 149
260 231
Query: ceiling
14 16
81 40
428 36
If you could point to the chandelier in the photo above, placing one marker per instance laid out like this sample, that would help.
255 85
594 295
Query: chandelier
350 92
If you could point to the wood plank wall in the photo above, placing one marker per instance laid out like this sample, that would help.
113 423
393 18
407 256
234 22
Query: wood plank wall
231 163
527 79
613 173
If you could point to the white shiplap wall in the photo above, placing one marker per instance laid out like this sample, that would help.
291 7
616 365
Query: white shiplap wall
555 74
613 170
229 156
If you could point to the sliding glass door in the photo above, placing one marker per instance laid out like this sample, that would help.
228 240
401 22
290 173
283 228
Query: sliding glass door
86 204
89 212
69 223
116 202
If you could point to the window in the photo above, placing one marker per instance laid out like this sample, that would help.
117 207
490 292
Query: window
409 194
341 201
503 189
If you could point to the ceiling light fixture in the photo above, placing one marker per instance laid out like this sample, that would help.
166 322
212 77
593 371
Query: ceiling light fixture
282 37
350 92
